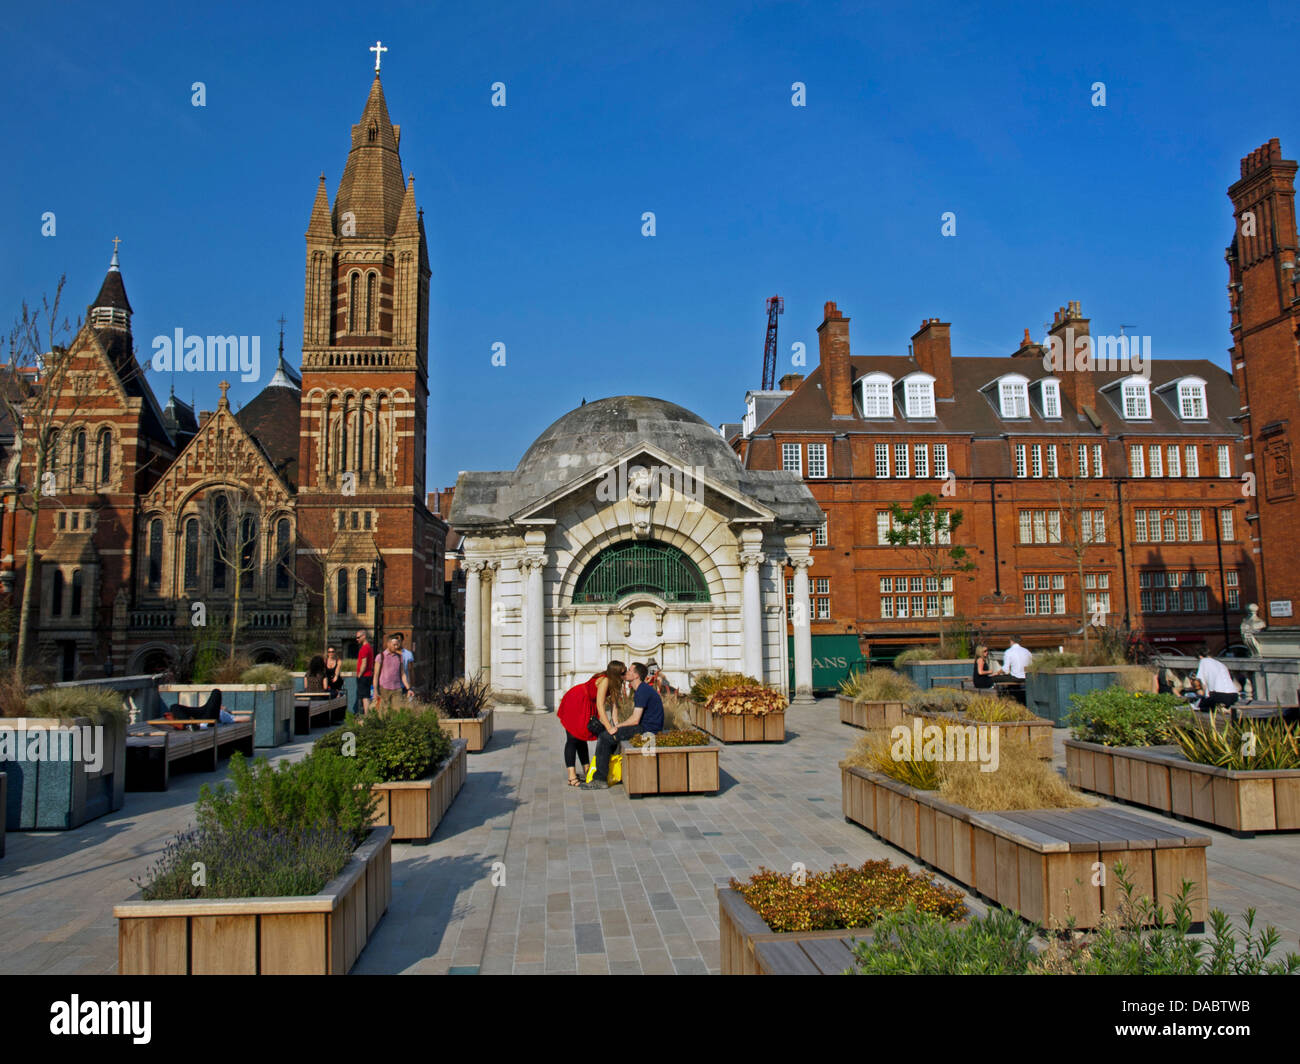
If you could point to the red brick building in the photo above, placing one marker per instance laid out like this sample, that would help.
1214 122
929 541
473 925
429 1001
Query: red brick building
338 535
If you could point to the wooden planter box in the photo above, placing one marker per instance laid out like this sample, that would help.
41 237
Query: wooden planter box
739 728
671 770
948 671
317 934
872 715
476 731
742 936
270 705
1037 862
1047 694
63 794
1037 733
1161 778
4 785
414 808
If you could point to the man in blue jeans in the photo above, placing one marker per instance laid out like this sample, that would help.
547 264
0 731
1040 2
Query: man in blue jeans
647 716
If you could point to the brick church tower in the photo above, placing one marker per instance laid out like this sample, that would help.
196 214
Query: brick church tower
1265 304
361 498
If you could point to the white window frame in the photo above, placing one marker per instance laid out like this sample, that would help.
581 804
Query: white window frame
1227 524
941 461
1192 405
817 451
921 460
1081 460
1013 396
1022 470
1155 460
1049 393
820 533
882 452
1135 399
900 461
1225 460
1173 460
1191 460
1051 461
875 393
789 452
918 395
1137 460
1096 460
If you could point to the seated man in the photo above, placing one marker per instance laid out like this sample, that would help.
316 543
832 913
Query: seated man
647 716
1215 683
1016 659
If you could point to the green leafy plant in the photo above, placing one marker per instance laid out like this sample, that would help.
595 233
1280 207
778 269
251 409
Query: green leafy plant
266 674
1113 716
97 703
1242 745
845 896
911 942
398 745
878 685
462 698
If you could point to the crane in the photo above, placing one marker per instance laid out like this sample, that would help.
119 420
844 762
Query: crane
775 306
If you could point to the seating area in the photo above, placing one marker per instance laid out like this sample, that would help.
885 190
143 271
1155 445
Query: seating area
317 709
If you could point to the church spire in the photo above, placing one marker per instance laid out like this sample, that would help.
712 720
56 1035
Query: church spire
111 309
370 194
320 225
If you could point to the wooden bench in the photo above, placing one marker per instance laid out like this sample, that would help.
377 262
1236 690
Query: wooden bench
308 705
815 956
949 681
153 746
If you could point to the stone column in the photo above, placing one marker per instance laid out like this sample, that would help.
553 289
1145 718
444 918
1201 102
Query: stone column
751 612
533 563
491 618
799 550
473 618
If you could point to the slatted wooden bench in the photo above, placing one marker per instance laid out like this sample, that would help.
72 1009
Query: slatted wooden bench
816 956
152 747
949 681
309 705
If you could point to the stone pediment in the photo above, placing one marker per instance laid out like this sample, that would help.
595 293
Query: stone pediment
353 548
221 452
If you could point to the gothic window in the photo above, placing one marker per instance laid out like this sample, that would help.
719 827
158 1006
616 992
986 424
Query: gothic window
155 553
373 131
104 449
76 592
362 591
220 532
191 580
652 567
56 594
372 319
353 295
247 552
341 595
79 457
282 570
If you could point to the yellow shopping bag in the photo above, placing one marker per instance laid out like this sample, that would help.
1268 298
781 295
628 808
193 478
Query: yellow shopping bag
615 769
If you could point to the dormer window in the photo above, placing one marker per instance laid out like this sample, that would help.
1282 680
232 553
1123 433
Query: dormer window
877 400
1191 399
1136 397
918 395
1013 396
1049 397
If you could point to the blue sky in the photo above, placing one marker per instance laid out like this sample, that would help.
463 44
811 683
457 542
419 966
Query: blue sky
533 211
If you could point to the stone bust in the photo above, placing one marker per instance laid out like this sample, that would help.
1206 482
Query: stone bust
1251 627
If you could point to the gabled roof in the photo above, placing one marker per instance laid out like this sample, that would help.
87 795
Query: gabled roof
271 419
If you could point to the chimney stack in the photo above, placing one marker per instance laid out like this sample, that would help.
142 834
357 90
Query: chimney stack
1071 357
837 371
932 348
790 382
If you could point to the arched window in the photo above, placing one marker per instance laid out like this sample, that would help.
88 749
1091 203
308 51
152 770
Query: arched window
76 592
220 536
155 553
79 457
354 293
650 566
341 597
191 580
362 591
104 447
343 435
372 318
247 552
56 594
283 572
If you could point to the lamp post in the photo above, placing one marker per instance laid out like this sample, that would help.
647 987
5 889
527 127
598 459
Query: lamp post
374 591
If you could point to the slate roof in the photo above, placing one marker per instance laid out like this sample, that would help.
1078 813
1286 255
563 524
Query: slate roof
272 419
591 436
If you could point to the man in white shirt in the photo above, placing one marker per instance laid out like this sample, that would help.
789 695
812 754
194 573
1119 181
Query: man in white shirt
1016 659
1214 682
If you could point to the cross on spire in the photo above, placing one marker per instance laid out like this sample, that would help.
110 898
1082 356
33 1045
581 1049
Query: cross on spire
224 386
379 49
116 240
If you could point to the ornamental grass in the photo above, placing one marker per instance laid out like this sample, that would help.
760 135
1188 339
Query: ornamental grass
674 737
939 700
916 654
746 702
101 705
845 897
1241 746
677 711
461 699
878 685
994 709
265 674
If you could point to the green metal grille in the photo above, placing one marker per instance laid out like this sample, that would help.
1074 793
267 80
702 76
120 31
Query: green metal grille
650 567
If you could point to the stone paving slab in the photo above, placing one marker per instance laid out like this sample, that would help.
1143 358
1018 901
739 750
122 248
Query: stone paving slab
526 875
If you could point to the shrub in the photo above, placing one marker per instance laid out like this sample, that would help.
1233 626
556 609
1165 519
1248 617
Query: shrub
100 705
916 654
461 699
846 897
1116 717
708 682
878 685
674 737
746 701
315 794
250 863
396 745
1054 659
1241 746
266 674
917 943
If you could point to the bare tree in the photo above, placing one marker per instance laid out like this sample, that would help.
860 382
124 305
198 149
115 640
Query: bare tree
1083 521
229 516
926 532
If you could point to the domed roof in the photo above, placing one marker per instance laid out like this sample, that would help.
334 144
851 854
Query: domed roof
590 435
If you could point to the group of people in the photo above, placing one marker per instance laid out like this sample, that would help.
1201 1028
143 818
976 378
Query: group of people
588 711
383 679
1015 660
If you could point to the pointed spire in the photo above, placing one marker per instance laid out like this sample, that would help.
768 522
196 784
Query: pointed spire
320 225
408 221
372 188
111 308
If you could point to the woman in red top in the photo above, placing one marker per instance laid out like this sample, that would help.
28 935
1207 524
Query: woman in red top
579 704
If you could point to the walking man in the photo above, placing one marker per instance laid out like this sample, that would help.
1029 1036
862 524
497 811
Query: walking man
365 672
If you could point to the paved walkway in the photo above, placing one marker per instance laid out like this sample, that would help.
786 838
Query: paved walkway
527 875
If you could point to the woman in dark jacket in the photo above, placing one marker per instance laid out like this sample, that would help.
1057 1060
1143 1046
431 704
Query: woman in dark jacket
982 673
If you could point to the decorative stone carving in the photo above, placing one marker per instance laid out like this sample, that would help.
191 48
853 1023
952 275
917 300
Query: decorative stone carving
1251 627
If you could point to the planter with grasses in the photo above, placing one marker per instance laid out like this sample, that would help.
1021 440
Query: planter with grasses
748 714
678 762
772 924
282 876
1011 720
264 691
64 753
1017 835
418 769
876 698
465 710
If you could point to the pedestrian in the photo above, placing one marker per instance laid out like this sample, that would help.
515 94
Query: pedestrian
408 663
587 702
365 673
390 675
